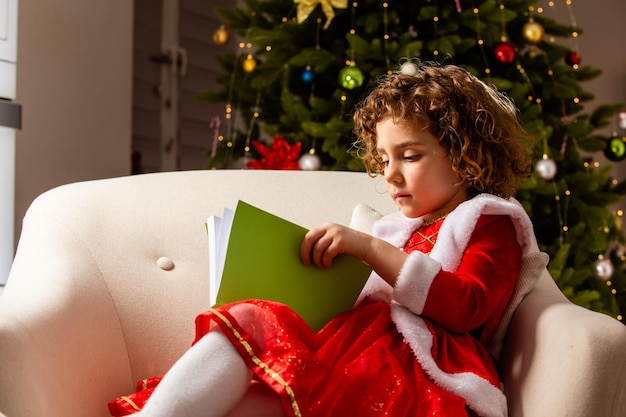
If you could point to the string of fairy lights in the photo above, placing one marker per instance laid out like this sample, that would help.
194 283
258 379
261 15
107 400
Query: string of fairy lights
480 41
546 167
386 35
533 34
603 268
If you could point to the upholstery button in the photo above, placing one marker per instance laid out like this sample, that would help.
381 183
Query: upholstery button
165 263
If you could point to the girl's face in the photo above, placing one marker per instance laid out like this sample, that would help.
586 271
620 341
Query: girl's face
418 171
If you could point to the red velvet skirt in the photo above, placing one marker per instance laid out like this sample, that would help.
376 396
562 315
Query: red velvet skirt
358 364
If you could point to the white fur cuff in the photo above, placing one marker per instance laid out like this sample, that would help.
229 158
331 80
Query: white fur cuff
416 277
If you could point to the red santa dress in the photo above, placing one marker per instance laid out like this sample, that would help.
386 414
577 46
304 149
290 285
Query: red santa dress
417 349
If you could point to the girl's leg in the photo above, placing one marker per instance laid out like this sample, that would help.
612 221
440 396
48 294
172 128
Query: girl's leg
209 380
260 401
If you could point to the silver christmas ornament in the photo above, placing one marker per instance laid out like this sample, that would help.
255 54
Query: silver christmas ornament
621 119
546 168
603 269
310 162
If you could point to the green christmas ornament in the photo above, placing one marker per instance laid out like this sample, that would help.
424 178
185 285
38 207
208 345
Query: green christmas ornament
615 148
350 78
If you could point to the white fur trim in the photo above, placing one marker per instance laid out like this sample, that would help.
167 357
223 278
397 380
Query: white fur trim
396 228
454 235
376 288
480 395
411 292
457 229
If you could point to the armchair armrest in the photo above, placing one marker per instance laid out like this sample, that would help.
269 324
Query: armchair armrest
563 360
58 347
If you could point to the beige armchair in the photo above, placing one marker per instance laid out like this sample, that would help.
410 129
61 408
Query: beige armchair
110 274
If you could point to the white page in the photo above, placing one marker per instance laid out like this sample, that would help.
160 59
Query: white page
213 225
217 250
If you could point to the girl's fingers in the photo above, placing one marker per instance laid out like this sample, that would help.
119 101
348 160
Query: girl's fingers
308 245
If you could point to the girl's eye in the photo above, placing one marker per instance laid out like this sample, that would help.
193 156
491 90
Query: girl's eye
412 157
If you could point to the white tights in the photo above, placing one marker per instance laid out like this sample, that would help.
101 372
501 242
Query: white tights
211 380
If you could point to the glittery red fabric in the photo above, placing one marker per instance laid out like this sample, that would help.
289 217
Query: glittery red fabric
417 242
133 403
357 365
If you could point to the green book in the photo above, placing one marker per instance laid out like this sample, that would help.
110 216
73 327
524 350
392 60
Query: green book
255 254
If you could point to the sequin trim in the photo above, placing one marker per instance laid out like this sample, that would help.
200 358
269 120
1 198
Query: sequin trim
257 361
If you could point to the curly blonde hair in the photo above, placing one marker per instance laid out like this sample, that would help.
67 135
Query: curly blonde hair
478 126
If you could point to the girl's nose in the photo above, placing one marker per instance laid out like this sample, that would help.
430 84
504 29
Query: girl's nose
392 173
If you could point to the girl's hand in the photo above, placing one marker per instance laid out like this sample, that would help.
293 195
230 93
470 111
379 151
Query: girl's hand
322 244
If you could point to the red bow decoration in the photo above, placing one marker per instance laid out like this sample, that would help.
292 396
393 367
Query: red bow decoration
280 156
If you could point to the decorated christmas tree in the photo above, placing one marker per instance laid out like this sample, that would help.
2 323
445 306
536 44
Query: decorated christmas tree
290 88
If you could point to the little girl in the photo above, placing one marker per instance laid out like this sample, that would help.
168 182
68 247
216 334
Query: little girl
418 341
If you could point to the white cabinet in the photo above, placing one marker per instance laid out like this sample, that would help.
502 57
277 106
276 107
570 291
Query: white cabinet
7 195
8 48
10 119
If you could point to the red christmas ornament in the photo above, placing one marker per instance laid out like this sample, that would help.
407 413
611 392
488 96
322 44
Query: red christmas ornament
573 58
280 156
505 52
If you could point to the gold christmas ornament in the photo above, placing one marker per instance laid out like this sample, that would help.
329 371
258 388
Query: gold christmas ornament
249 64
221 36
533 32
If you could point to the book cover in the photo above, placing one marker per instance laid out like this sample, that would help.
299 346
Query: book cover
256 254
